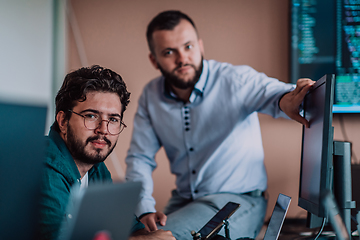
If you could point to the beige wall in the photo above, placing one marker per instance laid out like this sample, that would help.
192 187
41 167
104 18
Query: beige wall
251 32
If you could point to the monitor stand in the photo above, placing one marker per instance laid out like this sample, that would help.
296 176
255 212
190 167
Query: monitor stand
313 221
342 181
342 188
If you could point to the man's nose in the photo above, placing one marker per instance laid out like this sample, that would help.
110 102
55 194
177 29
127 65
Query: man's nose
102 127
181 58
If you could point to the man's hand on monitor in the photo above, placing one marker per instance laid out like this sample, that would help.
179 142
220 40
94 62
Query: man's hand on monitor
290 102
158 235
150 220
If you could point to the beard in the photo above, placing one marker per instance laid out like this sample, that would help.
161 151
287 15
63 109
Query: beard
177 82
78 152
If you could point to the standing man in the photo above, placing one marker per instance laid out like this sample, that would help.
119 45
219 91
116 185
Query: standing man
204 114
89 113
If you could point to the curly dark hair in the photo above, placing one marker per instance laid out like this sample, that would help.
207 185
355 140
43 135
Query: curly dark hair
88 79
166 20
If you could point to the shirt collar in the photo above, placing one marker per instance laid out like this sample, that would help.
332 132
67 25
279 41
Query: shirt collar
67 162
200 85
60 143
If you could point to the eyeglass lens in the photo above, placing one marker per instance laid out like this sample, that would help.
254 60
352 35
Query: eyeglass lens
114 125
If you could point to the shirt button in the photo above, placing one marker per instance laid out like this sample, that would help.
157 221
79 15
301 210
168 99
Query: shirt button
191 149
193 171
196 191
186 118
187 129
187 123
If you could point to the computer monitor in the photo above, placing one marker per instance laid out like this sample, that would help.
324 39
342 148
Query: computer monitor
324 38
317 146
22 153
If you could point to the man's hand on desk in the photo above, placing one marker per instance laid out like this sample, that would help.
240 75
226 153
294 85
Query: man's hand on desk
158 235
150 220
291 101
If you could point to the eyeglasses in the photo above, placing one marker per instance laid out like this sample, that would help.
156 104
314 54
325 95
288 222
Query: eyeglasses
93 120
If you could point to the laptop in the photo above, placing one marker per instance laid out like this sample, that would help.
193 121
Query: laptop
336 220
277 217
101 208
22 152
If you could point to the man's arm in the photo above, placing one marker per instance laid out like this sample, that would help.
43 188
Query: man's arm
260 93
141 163
54 200
291 102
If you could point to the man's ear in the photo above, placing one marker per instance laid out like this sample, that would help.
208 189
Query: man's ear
153 60
62 122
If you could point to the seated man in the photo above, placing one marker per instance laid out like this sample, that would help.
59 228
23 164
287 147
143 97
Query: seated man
89 112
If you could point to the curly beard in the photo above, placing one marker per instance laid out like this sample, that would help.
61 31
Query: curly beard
78 152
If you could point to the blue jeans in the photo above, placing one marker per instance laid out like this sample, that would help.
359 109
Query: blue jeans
184 215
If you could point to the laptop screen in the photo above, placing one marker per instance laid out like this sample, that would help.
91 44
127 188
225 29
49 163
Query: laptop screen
102 208
277 217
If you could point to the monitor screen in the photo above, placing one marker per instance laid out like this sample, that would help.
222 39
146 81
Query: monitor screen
317 143
22 152
325 39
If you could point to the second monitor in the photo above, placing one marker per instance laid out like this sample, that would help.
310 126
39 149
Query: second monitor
325 163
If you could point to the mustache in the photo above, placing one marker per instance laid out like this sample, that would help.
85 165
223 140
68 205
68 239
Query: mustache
184 65
98 138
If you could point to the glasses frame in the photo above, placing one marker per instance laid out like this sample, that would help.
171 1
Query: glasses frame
122 124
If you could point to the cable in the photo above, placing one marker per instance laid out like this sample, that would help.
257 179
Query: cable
321 229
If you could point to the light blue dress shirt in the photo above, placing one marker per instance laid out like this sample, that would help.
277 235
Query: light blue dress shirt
213 142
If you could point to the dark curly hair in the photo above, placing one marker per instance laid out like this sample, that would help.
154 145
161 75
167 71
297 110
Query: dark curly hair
166 20
88 79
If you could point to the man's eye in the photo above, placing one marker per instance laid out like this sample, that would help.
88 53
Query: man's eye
114 120
91 116
189 46
169 52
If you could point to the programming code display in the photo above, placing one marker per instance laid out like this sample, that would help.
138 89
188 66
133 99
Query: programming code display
325 39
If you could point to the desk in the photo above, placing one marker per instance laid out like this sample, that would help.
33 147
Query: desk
295 229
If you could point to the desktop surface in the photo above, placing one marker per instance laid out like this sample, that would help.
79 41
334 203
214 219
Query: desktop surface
296 229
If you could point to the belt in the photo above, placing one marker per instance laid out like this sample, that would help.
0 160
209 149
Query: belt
255 193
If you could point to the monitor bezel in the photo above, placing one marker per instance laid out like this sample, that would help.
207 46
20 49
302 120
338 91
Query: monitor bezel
327 147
